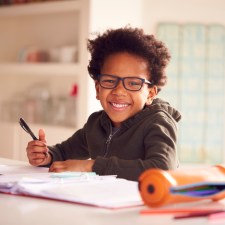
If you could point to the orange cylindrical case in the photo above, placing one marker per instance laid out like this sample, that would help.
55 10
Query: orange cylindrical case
159 187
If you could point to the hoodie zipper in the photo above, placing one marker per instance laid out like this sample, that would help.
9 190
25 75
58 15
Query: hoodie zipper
108 141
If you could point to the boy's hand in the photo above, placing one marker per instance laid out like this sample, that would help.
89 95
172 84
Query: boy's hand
37 151
72 165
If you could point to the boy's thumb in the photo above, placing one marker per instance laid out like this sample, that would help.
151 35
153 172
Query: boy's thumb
41 134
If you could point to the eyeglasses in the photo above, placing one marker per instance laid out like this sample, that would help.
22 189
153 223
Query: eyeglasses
129 83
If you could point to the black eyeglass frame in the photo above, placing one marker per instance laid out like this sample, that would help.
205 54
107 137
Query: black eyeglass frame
122 79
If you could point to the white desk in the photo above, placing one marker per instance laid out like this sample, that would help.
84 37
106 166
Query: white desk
18 210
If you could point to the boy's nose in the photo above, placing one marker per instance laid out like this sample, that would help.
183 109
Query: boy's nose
119 88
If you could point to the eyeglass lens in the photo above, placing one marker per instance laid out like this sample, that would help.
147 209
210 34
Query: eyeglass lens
129 83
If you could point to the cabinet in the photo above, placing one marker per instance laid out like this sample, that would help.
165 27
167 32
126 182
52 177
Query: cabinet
14 140
51 25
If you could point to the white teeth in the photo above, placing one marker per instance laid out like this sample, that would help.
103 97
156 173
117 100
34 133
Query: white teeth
119 105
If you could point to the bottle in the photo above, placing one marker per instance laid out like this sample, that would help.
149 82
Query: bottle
72 106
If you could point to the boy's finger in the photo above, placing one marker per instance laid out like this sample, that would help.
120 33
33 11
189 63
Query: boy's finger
41 134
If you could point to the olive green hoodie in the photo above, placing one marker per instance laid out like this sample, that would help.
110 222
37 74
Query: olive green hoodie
146 140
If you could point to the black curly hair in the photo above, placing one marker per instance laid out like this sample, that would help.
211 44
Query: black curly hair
133 41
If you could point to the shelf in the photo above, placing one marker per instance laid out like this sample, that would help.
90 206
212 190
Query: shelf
37 126
45 25
39 69
15 139
39 8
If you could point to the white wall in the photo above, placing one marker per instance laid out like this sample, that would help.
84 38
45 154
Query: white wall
114 14
182 11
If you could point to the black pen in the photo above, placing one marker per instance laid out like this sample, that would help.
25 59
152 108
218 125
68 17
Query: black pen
24 125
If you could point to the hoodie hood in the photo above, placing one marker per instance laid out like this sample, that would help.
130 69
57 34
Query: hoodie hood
160 105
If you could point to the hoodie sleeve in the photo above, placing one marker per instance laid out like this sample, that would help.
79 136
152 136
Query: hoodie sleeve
74 147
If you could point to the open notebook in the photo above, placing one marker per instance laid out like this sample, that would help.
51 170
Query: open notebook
83 188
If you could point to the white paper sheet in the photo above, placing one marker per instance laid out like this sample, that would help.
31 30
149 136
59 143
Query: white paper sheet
83 188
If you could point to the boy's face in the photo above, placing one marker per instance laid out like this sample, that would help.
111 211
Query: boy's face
119 103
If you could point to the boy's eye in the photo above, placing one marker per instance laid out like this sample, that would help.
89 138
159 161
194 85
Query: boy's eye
134 83
108 81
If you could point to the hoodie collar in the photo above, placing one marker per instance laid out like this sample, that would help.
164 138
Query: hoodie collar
158 105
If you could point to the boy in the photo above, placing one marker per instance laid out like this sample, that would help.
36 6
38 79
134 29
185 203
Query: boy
134 131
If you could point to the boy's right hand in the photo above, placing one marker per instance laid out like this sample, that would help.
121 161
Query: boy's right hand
37 151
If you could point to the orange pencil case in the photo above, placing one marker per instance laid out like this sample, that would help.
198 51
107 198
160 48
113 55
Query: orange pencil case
158 187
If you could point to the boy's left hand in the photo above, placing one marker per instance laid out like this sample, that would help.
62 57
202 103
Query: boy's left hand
72 165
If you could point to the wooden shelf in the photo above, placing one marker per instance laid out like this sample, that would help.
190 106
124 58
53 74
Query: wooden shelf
39 69
39 8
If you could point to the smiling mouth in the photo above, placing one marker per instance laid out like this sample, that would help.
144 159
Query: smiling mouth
119 105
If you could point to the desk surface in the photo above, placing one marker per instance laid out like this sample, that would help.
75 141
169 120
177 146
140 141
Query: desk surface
26 211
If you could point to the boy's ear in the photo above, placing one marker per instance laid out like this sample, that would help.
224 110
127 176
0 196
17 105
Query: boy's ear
151 95
97 89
